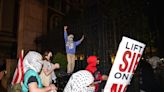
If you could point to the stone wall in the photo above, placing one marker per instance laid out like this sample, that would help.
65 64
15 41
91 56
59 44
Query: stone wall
31 24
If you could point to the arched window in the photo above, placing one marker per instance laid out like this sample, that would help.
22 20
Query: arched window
54 21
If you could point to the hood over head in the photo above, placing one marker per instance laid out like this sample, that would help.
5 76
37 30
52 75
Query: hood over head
70 37
33 60
92 61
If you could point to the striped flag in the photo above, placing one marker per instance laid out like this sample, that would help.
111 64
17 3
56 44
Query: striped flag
19 72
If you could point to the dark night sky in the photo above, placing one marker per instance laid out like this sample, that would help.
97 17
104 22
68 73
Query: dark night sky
154 10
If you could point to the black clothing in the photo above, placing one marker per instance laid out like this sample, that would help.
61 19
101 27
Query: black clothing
32 79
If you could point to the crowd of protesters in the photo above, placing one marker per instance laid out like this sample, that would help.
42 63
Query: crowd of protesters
40 76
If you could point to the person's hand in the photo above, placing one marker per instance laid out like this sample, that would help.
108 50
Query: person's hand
65 28
104 77
92 85
83 37
56 66
53 87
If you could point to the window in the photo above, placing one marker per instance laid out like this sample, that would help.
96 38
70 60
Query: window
54 22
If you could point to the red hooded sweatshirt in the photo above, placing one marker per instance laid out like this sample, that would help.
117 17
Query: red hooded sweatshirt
92 61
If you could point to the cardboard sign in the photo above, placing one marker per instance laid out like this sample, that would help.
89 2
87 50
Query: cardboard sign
126 61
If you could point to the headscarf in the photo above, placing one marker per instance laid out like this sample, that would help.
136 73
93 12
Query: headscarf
92 61
70 37
69 42
79 81
154 61
33 61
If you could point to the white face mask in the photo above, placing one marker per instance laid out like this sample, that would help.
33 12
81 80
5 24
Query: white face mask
37 66
33 61
70 38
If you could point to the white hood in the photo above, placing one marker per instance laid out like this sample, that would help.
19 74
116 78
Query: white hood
154 61
33 60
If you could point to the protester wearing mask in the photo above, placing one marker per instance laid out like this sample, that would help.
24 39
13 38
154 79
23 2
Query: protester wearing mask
92 68
32 68
71 49
80 81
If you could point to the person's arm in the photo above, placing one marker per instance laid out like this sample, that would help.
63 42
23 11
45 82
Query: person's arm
104 77
79 41
65 33
48 72
33 87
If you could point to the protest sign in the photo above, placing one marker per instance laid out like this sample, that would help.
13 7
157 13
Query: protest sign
124 66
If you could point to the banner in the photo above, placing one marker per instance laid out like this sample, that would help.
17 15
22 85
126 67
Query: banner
125 63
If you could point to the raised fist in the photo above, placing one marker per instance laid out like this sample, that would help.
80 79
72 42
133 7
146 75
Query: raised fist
56 66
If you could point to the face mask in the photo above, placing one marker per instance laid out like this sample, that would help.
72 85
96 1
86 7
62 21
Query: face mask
70 38
33 61
34 66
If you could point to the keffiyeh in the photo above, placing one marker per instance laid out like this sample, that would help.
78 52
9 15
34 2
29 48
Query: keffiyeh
79 82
